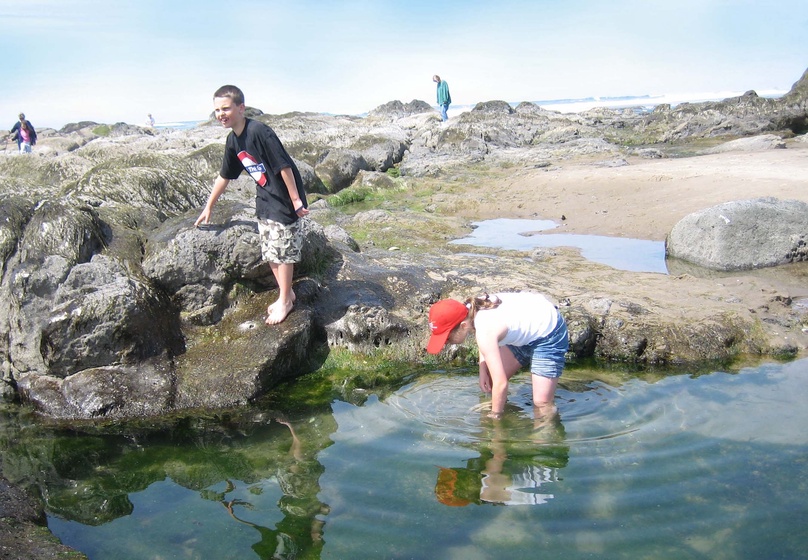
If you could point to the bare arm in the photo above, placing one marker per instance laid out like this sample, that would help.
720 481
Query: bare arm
291 185
485 377
488 343
219 186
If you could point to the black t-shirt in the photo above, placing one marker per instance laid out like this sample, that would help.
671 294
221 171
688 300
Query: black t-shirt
259 151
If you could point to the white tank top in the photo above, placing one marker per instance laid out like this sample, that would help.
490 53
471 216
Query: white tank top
527 315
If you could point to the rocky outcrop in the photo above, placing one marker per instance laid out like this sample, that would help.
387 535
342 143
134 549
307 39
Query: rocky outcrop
114 305
742 235
396 109
24 528
750 144
339 167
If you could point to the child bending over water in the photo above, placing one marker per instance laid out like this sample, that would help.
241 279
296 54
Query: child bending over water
513 330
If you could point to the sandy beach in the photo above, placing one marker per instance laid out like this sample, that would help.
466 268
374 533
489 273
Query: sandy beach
644 199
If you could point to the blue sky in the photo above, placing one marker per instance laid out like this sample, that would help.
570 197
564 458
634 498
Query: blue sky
117 60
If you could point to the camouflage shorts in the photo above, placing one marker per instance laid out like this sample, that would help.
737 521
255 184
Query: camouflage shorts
280 243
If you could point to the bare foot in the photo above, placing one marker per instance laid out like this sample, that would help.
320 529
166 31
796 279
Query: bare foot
278 312
277 301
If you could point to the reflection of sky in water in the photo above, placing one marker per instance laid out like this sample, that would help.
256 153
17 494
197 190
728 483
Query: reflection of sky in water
634 462
635 255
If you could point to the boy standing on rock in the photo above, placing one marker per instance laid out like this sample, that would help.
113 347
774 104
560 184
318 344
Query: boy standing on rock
280 200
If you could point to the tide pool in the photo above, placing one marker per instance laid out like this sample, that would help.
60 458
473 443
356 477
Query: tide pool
636 465
634 255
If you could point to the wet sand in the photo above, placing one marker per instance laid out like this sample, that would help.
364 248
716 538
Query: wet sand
646 198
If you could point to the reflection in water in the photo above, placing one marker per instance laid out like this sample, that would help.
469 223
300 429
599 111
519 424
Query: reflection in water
644 466
301 530
258 468
518 458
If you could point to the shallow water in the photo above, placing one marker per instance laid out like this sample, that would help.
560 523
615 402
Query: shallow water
636 255
635 466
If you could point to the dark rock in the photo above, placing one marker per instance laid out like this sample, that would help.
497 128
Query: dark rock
23 529
241 358
397 109
117 391
364 329
166 184
65 307
374 180
75 127
379 152
198 267
495 107
339 168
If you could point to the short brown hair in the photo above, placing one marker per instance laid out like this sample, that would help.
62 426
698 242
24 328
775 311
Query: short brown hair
234 93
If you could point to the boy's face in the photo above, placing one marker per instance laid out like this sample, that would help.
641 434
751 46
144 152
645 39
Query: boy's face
228 113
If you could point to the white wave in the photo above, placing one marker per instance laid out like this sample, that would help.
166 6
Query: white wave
647 102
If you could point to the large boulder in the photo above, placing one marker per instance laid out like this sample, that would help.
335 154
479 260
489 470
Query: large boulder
166 184
114 391
396 109
750 144
793 114
380 152
339 168
742 235
240 358
65 306
198 267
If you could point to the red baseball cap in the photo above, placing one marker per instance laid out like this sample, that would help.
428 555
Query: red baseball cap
443 317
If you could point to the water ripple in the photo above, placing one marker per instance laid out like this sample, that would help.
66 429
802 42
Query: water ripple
447 405
453 409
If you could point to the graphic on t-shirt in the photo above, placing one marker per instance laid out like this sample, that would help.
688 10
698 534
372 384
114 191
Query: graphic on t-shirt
256 170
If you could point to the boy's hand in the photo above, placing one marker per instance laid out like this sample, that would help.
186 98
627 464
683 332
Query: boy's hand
203 218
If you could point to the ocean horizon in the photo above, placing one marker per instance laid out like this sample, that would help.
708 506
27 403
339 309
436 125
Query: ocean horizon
646 102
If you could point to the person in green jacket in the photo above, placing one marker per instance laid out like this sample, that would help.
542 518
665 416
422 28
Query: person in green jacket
444 99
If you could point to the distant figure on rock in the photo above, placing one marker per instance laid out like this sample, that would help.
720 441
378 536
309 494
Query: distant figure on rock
513 330
149 120
444 99
24 134
280 201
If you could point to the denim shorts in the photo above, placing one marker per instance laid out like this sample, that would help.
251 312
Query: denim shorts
545 355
